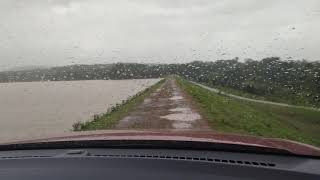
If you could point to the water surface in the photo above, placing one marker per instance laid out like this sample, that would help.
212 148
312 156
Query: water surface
44 109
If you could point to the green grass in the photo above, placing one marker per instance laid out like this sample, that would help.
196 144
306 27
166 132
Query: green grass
226 114
300 100
241 93
111 118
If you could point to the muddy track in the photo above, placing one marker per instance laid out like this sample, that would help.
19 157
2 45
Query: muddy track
167 108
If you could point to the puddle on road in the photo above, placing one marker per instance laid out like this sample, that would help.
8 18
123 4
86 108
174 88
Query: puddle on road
175 93
182 117
181 125
180 110
146 101
176 98
128 119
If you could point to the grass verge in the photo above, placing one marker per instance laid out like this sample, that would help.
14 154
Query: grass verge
114 114
282 98
226 114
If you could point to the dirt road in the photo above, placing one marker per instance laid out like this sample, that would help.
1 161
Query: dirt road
167 108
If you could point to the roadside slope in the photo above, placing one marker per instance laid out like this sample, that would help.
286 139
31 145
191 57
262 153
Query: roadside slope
253 100
226 114
109 119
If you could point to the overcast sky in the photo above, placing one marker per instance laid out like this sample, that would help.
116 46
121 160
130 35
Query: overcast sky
61 32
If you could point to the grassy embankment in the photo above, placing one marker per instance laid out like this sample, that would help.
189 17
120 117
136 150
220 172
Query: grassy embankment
280 98
226 114
114 114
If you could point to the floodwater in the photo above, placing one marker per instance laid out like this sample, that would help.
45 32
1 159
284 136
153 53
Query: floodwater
31 110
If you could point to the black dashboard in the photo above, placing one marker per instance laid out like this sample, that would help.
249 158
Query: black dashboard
143 164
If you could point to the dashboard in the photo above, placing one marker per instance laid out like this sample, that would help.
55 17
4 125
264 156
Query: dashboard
155 164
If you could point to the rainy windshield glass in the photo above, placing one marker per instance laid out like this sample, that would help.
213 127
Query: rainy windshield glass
248 68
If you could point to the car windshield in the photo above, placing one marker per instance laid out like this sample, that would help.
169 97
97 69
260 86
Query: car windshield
234 70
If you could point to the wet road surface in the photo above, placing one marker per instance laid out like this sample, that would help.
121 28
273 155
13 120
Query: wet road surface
167 108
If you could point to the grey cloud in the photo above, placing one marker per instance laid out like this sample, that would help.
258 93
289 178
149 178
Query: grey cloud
60 32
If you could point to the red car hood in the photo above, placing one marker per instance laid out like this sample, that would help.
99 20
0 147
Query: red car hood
191 136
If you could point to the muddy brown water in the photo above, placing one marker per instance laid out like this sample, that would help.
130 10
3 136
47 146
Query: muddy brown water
167 108
43 109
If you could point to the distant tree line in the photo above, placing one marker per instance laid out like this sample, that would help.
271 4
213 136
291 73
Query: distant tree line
294 81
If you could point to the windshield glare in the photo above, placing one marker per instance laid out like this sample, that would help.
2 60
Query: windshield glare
242 68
